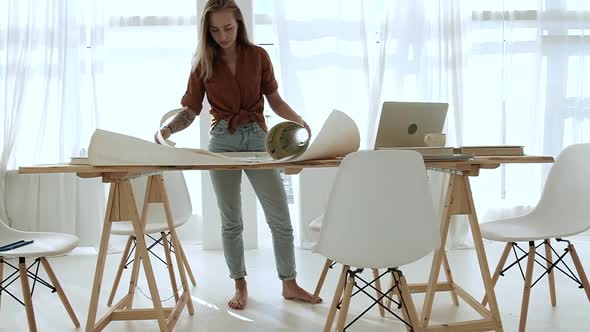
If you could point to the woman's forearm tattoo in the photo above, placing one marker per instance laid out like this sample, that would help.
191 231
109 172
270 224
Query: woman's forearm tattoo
181 121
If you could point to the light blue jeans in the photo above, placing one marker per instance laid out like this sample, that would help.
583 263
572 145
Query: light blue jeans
267 184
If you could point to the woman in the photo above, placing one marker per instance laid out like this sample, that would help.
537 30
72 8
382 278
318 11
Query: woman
235 74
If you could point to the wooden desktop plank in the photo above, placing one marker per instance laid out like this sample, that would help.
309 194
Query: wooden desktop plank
67 168
88 169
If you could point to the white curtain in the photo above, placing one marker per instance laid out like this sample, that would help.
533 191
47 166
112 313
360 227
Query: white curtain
534 57
148 48
322 65
513 73
421 58
323 58
526 86
49 66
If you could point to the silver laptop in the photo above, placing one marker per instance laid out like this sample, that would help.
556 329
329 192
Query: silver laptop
403 124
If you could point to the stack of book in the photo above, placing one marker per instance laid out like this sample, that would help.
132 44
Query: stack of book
430 153
491 150
79 161
426 151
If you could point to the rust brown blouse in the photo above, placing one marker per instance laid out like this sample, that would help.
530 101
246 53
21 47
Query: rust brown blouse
239 99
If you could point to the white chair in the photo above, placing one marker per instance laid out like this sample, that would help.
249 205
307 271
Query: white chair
44 245
379 215
180 204
562 211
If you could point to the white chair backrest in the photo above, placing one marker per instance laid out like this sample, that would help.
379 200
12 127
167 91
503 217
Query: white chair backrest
380 212
178 197
6 233
565 197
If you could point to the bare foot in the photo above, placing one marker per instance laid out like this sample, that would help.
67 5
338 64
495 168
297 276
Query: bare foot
292 291
240 299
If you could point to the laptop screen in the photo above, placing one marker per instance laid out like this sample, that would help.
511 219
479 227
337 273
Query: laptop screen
404 124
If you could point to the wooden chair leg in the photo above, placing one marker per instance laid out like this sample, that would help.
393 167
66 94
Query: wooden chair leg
336 299
60 291
550 275
396 292
580 269
187 266
170 265
526 293
120 271
388 302
499 268
320 284
24 280
409 308
345 304
379 292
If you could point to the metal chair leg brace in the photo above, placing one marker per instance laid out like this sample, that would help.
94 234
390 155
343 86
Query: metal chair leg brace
547 270
130 260
382 295
35 277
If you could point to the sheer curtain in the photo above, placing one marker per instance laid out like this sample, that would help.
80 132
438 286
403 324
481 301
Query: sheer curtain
422 57
323 58
322 65
526 87
49 65
148 50
513 73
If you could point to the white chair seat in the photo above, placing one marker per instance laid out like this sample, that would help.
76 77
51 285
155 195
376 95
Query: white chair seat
316 224
126 228
45 245
528 228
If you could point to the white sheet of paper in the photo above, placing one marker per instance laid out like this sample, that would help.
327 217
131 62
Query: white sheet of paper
338 136
110 149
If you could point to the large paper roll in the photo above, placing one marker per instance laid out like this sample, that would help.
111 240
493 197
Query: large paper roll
282 140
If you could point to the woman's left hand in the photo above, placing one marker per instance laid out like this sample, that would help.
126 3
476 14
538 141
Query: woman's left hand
306 126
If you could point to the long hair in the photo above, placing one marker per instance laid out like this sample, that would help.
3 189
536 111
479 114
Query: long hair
208 50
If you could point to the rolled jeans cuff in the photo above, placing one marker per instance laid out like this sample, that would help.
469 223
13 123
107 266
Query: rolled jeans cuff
293 277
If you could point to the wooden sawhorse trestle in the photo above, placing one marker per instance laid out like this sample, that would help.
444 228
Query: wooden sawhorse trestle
459 201
121 207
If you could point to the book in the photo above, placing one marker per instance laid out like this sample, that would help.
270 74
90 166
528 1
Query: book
79 161
426 150
492 150
449 157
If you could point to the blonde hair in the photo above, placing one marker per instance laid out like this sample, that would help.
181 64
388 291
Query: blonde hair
208 50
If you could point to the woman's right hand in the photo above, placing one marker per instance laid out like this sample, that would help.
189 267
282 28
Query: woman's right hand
165 134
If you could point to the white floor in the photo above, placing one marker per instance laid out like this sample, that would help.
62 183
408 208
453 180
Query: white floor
269 312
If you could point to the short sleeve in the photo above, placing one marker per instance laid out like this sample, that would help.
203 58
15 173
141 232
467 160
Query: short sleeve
268 82
195 93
